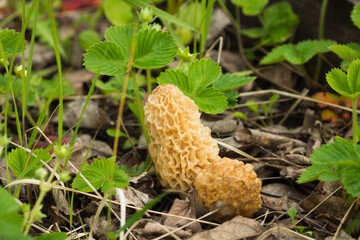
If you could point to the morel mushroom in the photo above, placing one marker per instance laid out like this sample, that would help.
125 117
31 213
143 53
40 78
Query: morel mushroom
230 186
180 146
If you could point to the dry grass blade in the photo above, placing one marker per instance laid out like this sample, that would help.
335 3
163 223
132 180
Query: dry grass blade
273 230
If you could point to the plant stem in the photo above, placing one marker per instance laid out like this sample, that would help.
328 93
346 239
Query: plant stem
354 120
195 27
321 36
148 77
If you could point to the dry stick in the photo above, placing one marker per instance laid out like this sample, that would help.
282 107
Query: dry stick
273 91
267 233
221 43
244 154
292 108
344 218
317 205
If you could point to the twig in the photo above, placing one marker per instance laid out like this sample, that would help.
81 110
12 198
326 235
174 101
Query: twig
343 219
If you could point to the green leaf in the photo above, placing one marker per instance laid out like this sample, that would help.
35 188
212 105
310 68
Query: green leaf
323 46
88 38
337 79
122 36
276 54
353 78
292 213
23 165
301 53
231 98
355 15
347 52
99 175
251 7
106 56
231 81
52 236
10 219
137 170
211 101
312 173
201 74
280 22
176 78
255 32
273 99
11 42
253 106
118 12
154 49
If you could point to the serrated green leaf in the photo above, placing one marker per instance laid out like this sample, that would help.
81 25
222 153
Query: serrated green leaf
176 78
323 45
353 78
251 7
99 175
23 165
10 42
10 219
276 54
122 36
280 21
301 53
154 49
337 79
355 15
231 98
345 51
201 74
255 32
231 81
137 170
351 180
211 101
106 56
312 173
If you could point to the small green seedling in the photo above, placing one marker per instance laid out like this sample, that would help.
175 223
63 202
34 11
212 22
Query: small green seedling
340 161
300 229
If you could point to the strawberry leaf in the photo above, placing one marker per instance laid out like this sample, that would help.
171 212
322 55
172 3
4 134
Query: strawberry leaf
231 81
346 52
201 74
176 78
10 42
211 101
337 79
99 175
355 15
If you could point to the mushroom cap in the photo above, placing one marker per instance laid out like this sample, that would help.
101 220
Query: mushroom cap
180 146
230 186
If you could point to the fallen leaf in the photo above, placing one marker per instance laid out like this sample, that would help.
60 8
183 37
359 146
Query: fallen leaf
237 228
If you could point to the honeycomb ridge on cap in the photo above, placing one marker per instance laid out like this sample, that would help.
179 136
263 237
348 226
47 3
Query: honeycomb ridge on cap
180 146
230 186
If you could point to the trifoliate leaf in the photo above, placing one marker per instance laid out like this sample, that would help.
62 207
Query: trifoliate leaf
211 101
337 79
201 74
154 49
24 165
276 54
177 78
280 21
301 53
10 42
122 36
347 52
355 15
251 7
231 81
99 175
106 56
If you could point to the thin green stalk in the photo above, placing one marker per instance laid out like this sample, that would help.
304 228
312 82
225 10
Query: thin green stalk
354 120
202 28
148 77
140 107
23 83
228 13
195 27
321 36
58 61
123 92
